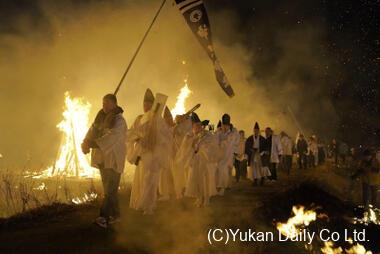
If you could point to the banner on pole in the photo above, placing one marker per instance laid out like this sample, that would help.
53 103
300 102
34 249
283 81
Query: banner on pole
196 17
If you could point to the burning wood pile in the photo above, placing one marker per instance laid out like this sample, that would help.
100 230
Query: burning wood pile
70 161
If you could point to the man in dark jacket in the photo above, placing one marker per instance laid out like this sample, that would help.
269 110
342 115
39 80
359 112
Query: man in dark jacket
258 156
302 152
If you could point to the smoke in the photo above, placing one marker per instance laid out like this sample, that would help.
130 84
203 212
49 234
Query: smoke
49 47
83 47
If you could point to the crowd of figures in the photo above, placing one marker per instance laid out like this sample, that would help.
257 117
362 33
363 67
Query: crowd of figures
185 156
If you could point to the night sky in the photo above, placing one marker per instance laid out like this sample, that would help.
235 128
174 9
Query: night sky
349 41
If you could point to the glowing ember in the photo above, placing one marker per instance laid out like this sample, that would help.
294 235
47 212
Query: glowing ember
330 249
300 219
85 199
358 249
370 216
40 187
355 248
179 107
70 160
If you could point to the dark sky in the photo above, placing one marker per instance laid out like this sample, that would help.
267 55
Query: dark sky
349 41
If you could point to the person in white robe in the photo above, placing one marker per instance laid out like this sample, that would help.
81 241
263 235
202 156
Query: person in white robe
181 129
313 150
135 151
215 156
148 139
166 184
275 152
107 140
287 147
200 154
229 144
241 158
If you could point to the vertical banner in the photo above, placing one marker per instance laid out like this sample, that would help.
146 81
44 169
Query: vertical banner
196 17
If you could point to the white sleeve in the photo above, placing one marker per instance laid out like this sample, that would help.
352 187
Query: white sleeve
112 136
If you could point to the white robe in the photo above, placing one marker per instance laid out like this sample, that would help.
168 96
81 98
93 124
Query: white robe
276 149
215 157
313 147
180 161
198 182
287 145
229 143
112 147
145 182
256 169
166 183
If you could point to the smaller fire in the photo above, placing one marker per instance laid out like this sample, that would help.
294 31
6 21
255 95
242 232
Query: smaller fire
329 248
356 248
85 199
303 218
70 161
294 224
41 187
370 216
179 107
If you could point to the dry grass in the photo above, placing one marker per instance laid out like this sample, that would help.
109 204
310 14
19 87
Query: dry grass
19 194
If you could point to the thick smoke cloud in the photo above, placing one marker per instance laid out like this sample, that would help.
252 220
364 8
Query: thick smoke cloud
49 47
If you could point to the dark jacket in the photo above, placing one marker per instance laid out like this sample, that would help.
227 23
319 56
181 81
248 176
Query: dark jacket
249 147
302 146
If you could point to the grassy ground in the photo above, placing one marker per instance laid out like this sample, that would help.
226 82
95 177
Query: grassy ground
177 226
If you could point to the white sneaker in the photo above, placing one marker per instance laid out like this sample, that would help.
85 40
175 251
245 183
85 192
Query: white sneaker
101 222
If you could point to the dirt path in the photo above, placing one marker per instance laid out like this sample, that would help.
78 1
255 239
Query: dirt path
177 226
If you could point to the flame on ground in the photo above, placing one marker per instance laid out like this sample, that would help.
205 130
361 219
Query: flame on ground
294 224
372 215
85 199
356 248
70 160
179 108
40 187
303 218
329 248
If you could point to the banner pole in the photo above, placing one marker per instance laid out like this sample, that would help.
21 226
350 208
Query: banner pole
139 47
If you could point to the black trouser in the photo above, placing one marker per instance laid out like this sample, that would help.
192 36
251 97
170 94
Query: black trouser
287 163
335 153
369 194
273 171
240 169
110 181
311 160
302 160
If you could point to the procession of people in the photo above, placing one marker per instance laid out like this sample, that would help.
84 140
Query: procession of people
185 156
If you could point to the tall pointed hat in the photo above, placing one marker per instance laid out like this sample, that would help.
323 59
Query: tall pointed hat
148 97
